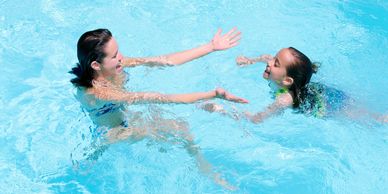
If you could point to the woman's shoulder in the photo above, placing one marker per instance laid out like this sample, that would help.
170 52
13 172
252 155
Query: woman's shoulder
88 98
85 93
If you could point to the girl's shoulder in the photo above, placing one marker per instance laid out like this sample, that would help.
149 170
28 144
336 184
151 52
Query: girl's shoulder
284 99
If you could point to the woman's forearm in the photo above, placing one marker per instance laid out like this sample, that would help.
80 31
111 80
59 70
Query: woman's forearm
191 97
170 59
189 55
153 97
219 42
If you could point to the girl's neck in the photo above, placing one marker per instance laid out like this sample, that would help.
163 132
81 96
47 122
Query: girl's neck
276 87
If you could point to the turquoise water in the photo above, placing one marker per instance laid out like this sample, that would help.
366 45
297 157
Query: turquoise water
44 132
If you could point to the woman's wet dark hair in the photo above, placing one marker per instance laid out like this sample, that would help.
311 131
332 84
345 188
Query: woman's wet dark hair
90 47
300 71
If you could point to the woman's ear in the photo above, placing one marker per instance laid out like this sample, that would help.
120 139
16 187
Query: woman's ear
288 81
95 65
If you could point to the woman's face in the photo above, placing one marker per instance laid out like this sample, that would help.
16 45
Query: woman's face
111 64
276 68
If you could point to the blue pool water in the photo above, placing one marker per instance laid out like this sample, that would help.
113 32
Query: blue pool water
44 132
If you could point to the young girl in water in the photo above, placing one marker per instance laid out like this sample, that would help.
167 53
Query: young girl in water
289 74
100 82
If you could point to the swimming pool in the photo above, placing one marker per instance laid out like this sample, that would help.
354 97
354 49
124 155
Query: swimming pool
43 131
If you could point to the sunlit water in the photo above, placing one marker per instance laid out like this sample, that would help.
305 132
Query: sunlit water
44 132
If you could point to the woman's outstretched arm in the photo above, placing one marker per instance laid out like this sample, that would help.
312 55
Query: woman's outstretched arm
219 42
111 94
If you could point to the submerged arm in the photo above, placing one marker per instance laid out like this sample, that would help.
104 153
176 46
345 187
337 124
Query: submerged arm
282 102
360 114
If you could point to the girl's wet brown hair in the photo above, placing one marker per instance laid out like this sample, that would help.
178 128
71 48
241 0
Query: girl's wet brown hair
300 71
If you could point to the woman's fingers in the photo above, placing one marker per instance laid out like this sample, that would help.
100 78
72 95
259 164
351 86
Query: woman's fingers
230 32
234 44
234 36
218 33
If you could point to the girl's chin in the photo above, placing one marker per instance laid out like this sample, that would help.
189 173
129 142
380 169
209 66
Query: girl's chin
265 75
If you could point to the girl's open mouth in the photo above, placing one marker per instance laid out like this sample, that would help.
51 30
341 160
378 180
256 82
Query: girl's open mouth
119 67
266 73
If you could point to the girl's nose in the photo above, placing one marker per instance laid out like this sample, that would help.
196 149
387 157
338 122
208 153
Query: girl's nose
270 62
120 56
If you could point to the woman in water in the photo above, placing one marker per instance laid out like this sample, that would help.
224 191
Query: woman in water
100 82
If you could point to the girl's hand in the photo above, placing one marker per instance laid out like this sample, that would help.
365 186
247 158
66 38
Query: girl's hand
383 119
248 115
252 117
212 107
228 40
243 61
265 58
223 94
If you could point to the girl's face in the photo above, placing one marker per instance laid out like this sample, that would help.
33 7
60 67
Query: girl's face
111 64
276 68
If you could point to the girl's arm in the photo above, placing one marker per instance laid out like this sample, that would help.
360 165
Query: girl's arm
361 114
282 102
153 97
219 42
245 61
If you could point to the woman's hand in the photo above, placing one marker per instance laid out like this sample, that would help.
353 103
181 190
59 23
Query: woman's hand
228 40
223 94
